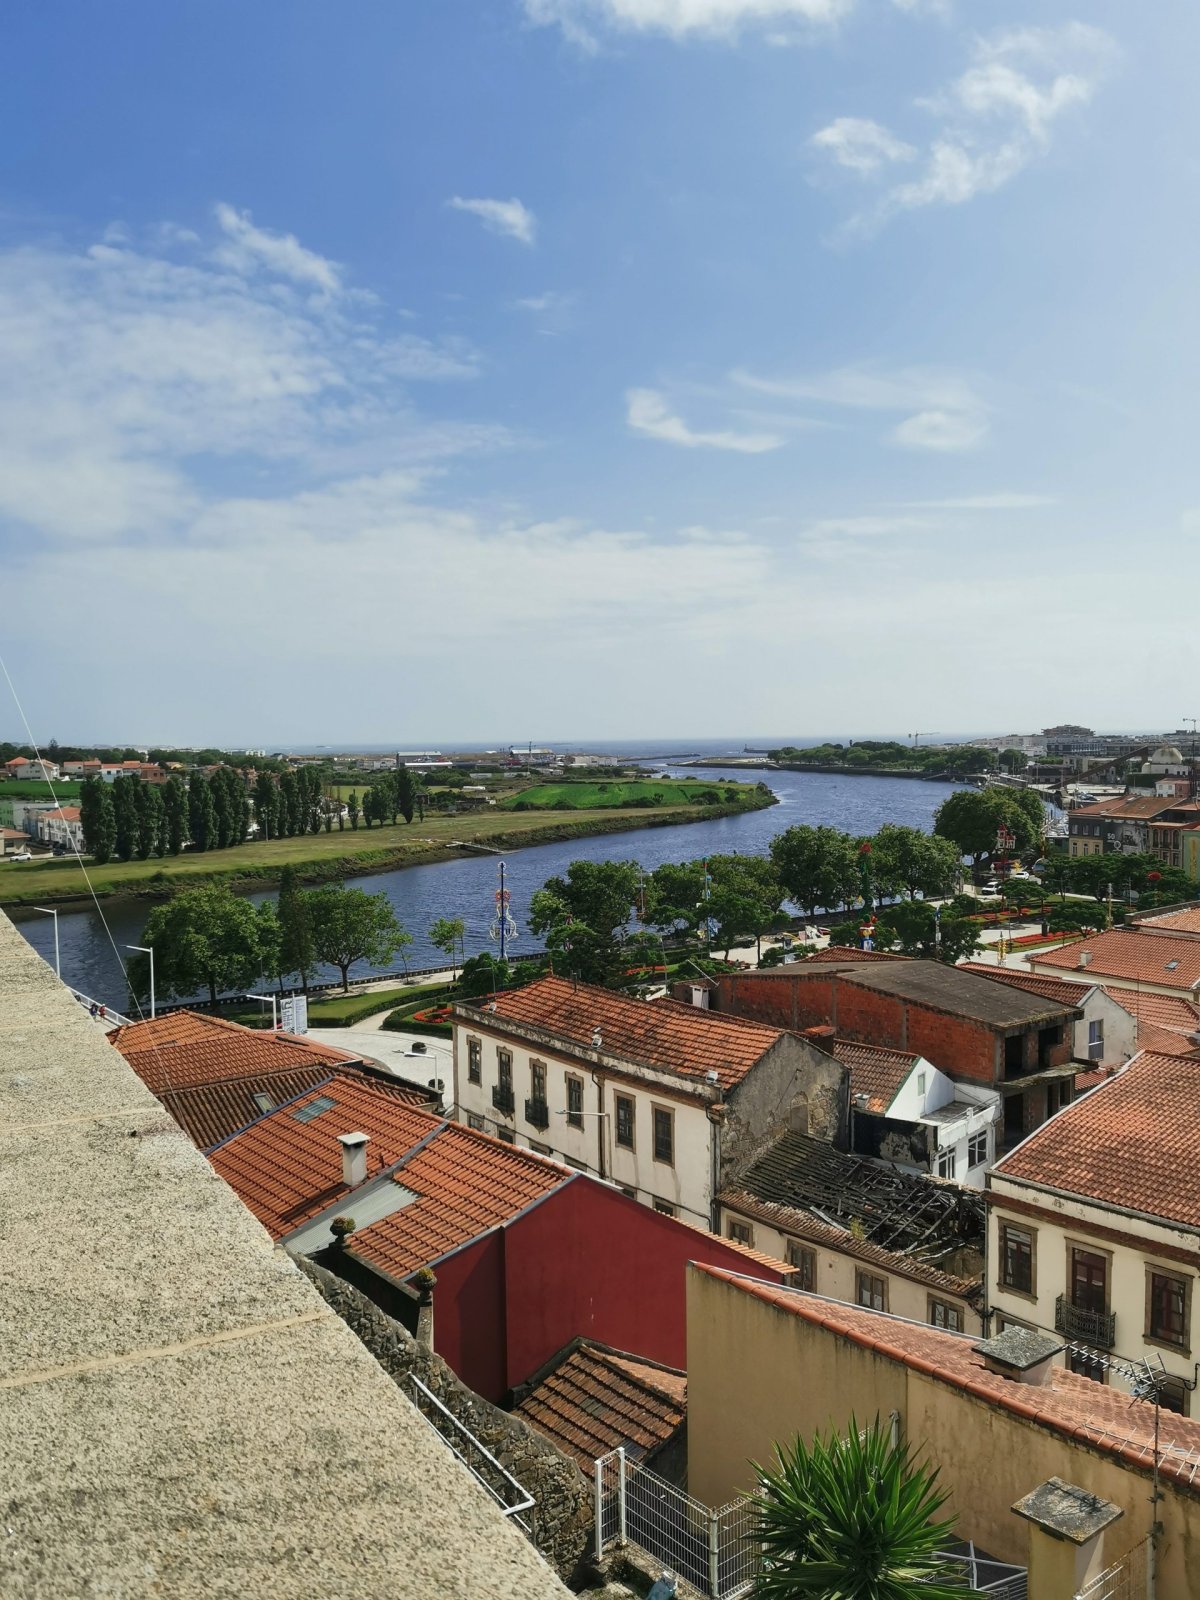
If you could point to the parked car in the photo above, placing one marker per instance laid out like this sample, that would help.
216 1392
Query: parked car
21 855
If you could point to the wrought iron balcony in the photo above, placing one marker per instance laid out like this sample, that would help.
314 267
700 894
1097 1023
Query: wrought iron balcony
537 1113
1097 1328
504 1100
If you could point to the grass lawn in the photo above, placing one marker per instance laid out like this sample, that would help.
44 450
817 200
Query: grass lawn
321 856
35 790
590 796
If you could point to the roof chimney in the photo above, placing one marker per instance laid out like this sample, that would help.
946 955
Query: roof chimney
597 1038
1085 958
354 1158
1021 1355
861 1102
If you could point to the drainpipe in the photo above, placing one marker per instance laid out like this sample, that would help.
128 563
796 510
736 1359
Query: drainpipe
601 1119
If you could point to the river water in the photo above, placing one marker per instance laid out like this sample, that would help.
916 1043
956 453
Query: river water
92 954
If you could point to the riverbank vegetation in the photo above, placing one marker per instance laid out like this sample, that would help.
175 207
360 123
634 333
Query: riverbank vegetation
644 793
880 755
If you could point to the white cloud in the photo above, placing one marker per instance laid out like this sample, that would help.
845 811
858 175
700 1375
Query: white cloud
130 376
943 411
995 118
861 145
507 217
247 249
680 18
647 412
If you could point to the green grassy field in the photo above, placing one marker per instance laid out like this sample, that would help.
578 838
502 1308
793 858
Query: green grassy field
64 788
620 792
321 857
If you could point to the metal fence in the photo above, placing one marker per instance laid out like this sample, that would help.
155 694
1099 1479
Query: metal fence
1128 1579
718 1553
714 1551
514 1501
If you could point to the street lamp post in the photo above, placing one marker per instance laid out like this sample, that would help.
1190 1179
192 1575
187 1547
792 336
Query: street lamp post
49 911
265 1000
145 950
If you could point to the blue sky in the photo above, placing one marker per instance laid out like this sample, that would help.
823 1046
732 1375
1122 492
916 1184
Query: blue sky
438 370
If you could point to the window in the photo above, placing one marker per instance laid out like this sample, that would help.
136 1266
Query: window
920 1083
1167 1308
474 1060
871 1291
664 1135
474 1122
664 1208
739 1232
504 1069
805 1262
541 1149
313 1109
575 1102
580 1166
1095 1041
1016 1258
630 1194
263 1102
537 1080
1172 1395
977 1149
625 1121
947 1163
507 1135
944 1315
1089 1280
1087 1366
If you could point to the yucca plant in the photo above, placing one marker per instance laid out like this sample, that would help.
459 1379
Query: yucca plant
852 1518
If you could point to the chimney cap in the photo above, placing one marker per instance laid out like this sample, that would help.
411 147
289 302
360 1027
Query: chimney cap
353 1141
1019 1351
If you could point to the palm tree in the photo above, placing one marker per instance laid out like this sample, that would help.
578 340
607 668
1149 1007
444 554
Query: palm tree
852 1518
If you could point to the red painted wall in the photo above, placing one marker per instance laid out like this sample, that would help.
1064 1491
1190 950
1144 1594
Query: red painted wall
468 1315
590 1262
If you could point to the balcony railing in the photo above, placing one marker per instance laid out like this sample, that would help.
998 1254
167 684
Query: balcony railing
537 1113
504 1100
1097 1328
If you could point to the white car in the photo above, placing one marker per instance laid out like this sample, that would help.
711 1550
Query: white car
21 855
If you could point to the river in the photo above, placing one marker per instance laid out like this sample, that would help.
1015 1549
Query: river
91 955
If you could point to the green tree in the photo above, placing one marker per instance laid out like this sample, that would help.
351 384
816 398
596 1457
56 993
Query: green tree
125 814
972 818
746 895
352 807
97 819
1014 760
266 805
175 807
270 942
297 947
202 823
913 928
202 939
674 895
406 793
852 1518
151 821
582 914
818 867
223 808
910 861
447 935
484 974
350 925
289 804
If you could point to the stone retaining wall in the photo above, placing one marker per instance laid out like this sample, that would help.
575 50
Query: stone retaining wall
564 1519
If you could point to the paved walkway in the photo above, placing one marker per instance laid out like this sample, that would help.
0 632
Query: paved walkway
395 1053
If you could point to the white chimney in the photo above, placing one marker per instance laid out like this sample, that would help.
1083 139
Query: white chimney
597 1039
354 1158
1085 958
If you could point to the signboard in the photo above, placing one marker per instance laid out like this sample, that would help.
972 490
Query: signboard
294 1013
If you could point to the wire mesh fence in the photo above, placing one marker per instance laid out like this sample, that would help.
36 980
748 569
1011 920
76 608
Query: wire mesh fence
1128 1579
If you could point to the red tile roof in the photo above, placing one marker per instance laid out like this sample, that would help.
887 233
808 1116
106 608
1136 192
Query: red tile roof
664 1034
596 1399
1094 1415
1140 808
849 952
63 814
875 1070
1130 1143
186 1049
287 1169
211 1112
1135 954
1165 1022
1184 920
1061 990
467 1183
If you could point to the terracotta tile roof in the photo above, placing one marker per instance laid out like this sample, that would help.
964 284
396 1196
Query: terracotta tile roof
850 953
595 1400
803 1225
185 1050
287 1166
63 814
466 1184
875 1070
1185 920
665 1034
1132 953
1093 1414
1061 990
958 993
211 1112
1165 1022
1130 1143
1134 809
